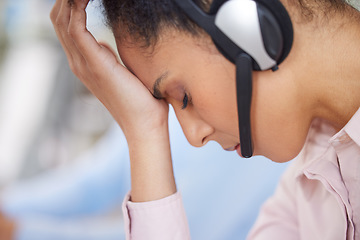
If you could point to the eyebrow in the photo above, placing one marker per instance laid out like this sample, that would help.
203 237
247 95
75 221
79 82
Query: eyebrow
156 87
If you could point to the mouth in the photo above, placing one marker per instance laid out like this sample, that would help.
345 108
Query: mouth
233 148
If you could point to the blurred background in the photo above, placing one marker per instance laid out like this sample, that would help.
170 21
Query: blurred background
64 164
48 119
47 116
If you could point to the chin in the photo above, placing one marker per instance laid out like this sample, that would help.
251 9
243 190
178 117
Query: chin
283 154
283 159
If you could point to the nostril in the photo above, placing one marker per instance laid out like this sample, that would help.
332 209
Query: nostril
204 141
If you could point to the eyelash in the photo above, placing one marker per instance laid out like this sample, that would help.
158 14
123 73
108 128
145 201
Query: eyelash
185 101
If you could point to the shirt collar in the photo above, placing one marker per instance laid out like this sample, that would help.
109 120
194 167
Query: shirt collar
352 128
321 136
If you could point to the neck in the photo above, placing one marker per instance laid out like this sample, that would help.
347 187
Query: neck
330 76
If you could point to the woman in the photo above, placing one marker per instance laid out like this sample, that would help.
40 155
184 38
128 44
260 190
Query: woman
296 111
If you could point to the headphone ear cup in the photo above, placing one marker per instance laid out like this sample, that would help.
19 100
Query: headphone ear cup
270 32
239 21
274 24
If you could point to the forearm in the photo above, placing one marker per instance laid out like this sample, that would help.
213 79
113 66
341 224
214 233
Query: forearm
152 175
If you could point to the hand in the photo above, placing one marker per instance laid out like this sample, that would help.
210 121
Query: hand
143 119
7 228
96 65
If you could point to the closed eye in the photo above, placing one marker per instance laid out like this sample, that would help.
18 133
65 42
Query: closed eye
185 101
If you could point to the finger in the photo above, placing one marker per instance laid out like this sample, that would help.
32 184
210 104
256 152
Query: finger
62 25
63 17
83 39
55 11
59 21
75 59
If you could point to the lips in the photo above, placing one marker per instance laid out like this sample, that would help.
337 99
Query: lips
232 148
238 150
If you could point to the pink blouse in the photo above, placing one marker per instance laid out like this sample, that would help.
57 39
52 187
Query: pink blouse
317 198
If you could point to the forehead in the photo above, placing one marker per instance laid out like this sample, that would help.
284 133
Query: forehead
170 54
141 63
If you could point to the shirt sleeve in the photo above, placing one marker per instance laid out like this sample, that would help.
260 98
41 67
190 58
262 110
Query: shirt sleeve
162 219
277 218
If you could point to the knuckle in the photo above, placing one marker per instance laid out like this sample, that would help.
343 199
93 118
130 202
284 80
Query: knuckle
74 68
53 16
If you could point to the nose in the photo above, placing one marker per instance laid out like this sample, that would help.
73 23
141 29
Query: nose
196 129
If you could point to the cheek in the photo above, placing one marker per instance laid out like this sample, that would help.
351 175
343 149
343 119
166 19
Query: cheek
279 126
216 104
279 133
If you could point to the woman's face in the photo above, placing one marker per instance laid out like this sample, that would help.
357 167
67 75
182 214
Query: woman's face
191 75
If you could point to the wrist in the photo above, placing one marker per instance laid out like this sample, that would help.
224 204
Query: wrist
144 127
147 132
152 175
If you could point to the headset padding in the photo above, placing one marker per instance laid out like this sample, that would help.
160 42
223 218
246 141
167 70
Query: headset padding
280 13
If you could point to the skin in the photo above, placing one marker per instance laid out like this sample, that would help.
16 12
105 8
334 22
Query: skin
212 112
320 78
287 100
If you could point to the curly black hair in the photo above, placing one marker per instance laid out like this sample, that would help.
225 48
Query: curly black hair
143 20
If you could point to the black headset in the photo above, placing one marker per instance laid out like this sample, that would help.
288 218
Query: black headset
254 35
